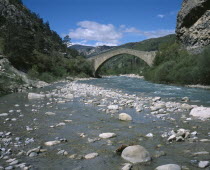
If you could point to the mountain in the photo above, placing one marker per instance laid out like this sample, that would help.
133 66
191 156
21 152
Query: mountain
28 44
151 44
89 51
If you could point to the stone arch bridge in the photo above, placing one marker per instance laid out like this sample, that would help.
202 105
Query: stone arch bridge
100 59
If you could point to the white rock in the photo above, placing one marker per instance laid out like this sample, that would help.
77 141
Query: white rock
113 107
186 107
107 135
172 137
3 114
60 124
50 113
201 112
136 154
51 143
168 167
149 135
125 117
91 155
203 164
127 166
69 96
200 153
35 96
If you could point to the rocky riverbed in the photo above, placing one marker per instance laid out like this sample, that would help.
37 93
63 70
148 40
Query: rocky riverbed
75 125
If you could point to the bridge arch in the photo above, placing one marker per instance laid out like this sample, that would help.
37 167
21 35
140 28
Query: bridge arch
100 59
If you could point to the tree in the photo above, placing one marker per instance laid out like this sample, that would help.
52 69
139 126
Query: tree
67 40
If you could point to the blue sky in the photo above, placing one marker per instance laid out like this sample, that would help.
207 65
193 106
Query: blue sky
108 22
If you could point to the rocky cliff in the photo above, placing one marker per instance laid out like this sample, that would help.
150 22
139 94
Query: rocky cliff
15 11
193 24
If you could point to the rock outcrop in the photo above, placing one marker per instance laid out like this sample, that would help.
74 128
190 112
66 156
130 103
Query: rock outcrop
193 24
13 80
16 12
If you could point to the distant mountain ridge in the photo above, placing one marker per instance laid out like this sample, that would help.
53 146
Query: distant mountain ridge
90 50
145 45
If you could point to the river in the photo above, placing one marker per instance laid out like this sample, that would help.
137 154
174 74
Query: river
81 118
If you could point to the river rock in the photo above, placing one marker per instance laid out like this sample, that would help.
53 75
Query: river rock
127 166
3 114
107 135
201 112
91 155
186 107
203 164
69 96
168 167
125 117
113 107
51 143
50 113
186 99
136 154
35 96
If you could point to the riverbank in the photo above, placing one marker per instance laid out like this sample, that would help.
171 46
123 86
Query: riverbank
127 75
67 122
199 86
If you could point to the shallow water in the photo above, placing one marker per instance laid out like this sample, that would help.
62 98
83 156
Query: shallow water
88 119
138 86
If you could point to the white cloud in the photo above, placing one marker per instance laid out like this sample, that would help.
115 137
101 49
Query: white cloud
93 31
149 34
158 33
96 34
160 16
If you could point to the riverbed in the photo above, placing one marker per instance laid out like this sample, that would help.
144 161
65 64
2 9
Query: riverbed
75 113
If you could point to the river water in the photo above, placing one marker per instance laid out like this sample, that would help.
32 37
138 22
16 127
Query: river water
90 120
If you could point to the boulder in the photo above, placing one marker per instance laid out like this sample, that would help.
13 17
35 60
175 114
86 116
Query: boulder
136 154
203 164
125 117
168 167
201 112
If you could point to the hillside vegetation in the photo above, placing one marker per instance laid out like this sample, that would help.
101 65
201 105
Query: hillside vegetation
174 64
32 47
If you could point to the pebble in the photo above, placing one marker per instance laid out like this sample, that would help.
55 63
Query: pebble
62 152
150 135
50 113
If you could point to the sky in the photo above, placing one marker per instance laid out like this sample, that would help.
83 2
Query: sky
108 22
